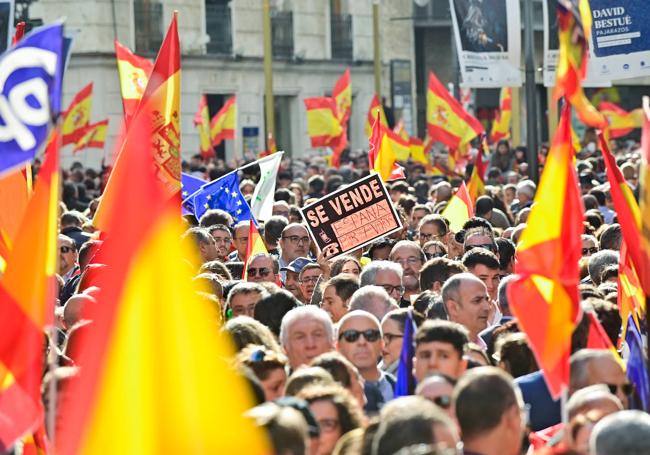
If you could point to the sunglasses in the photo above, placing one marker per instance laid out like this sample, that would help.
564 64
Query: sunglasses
263 272
627 388
66 249
371 335
592 250
444 401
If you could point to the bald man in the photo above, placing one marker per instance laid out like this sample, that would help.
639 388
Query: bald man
596 366
467 302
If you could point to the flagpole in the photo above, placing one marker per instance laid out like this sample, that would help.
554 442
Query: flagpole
268 69
531 95
263 160
645 104
375 47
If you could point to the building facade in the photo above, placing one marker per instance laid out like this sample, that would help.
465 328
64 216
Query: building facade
314 41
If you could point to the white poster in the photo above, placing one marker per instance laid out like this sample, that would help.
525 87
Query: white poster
552 52
488 42
620 44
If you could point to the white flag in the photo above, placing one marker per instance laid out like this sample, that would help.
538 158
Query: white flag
263 197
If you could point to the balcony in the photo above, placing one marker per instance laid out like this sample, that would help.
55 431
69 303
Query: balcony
148 18
282 34
218 25
341 33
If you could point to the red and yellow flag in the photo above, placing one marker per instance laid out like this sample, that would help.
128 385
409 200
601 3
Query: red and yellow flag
202 123
77 117
644 201
323 126
94 136
597 338
161 104
375 107
574 29
631 299
544 295
134 72
620 122
342 94
459 209
146 386
501 125
27 295
15 190
418 153
627 212
447 121
381 154
224 123
254 246
476 186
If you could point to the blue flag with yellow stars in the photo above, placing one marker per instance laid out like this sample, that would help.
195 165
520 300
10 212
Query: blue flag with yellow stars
223 194
189 186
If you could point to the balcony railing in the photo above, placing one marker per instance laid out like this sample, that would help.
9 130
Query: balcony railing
218 25
341 32
148 17
282 33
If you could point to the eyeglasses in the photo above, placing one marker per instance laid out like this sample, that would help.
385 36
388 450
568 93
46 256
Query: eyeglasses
389 337
390 289
430 236
488 246
263 272
328 425
371 335
223 240
309 279
66 249
444 401
627 388
436 254
411 260
592 250
296 239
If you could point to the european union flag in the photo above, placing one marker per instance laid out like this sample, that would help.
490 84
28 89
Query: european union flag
405 381
30 94
223 194
189 186
636 363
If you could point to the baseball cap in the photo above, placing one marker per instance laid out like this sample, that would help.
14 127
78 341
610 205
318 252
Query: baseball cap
297 265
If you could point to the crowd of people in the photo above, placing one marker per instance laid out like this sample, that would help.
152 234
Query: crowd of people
319 340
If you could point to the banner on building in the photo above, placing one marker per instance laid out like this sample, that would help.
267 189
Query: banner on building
552 50
620 44
488 42
352 217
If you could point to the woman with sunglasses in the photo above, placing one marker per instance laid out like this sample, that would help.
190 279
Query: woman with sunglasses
336 412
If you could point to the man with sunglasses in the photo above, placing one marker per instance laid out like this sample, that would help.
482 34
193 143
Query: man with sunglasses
599 366
360 341
262 268
68 257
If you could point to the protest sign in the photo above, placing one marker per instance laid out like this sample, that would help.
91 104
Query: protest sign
488 42
352 216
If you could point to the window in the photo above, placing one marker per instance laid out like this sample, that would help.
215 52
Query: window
149 33
218 26
282 33
340 31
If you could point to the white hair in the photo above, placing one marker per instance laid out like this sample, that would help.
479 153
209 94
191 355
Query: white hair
305 312
624 432
369 273
374 300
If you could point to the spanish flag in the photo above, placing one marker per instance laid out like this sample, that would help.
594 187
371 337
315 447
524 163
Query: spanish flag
627 212
27 294
597 338
417 151
381 155
94 136
544 294
15 190
202 123
631 299
447 121
77 117
254 246
323 126
155 378
375 107
342 94
134 72
161 104
574 29
644 200
501 125
619 121
476 186
459 208
224 123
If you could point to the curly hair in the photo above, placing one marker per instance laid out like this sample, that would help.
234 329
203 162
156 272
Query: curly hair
261 360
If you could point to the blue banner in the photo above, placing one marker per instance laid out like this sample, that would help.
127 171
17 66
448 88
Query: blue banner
30 94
